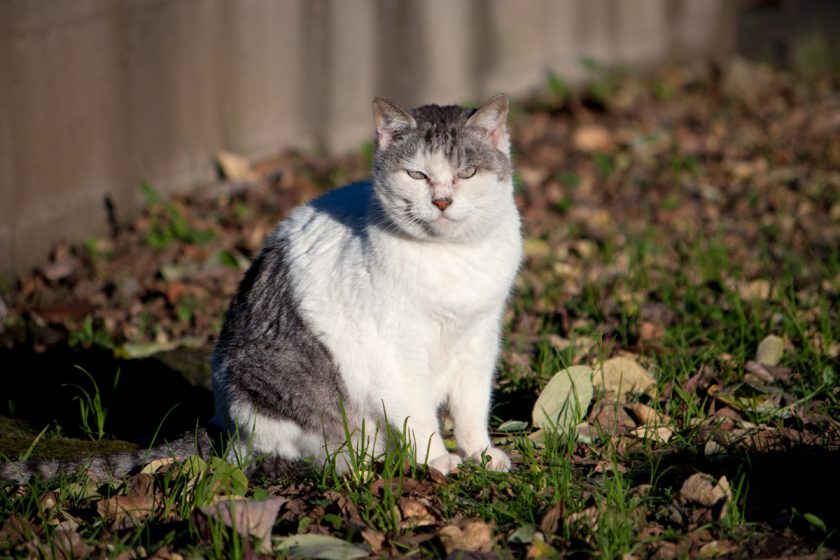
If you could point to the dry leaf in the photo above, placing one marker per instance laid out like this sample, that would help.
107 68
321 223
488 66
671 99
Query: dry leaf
757 290
648 416
621 376
467 534
717 548
249 518
592 138
565 399
770 350
374 539
536 248
415 514
324 547
158 465
235 168
127 511
702 489
552 518
611 417
661 434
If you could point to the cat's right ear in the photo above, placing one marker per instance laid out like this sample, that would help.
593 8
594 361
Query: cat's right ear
389 119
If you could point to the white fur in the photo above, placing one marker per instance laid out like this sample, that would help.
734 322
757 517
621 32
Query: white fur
410 309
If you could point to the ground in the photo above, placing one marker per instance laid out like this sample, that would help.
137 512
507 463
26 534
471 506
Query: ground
683 247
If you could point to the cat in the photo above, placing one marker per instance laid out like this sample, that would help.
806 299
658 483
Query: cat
378 303
385 297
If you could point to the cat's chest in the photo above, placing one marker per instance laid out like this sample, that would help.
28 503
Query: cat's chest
448 283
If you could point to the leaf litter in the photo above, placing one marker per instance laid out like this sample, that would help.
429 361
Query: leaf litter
687 222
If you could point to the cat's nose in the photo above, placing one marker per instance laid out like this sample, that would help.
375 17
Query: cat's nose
442 203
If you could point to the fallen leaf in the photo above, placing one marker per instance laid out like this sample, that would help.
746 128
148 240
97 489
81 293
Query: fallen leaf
235 168
592 138
136 350
660 434
588 517
158 465
467 534
621 376
58 270
611 417
647 416
323 547
415 514
770 350
512 426
523 535
67 543
759 372
717 548
702 489
757 290
374 540
651 331
126 511
249 518
536 248
565 399
552 518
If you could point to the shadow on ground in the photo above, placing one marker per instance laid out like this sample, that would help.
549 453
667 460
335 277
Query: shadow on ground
161 396
776 487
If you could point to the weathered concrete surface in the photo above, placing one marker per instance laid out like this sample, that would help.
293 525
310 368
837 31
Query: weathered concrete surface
97 95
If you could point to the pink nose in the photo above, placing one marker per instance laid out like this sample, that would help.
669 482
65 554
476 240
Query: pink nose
442 203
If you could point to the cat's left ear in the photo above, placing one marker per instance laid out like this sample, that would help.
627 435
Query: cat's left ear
490 119
389 119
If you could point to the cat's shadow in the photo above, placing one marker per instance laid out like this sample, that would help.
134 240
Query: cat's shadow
153 398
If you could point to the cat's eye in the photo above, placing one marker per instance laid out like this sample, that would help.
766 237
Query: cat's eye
467 172
419 175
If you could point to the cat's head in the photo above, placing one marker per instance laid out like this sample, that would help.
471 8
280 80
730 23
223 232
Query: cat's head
442 172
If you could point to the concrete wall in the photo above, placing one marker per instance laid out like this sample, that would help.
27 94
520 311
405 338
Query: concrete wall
96 95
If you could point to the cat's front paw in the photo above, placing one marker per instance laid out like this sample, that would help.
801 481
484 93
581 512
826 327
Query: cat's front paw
492 458
445 463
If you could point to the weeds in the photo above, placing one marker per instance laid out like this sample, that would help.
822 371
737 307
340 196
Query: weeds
92 410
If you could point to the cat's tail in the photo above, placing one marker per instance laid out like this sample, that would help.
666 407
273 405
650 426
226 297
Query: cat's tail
199 442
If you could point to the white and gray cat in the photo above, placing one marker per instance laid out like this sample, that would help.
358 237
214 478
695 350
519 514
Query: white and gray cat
386 296
381 299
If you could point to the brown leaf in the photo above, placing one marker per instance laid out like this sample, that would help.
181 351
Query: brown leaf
647 416
717 548
141 484
623 375
126 511
415 514
67 543
235 168
649 331
702 489
592 138
467 534
16 530
611 417
759 371
551 519
374 539
57 270
249 518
